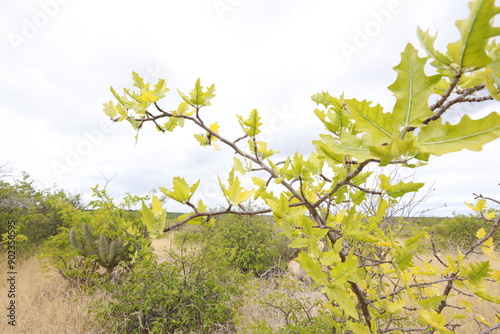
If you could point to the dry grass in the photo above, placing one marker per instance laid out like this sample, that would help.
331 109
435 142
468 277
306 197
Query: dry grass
253 310
161 246
45 303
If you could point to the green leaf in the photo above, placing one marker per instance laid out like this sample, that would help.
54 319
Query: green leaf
343 299
478 290
171 124
358 197
182 192
432 302
412 89
492 72
262 151
372 120
154 218
118 97
251 125
480 206
299 243
478 271
403 258
436 320
160 88
358 328
110 109
469 51
235 194
198 97
325 99
398 189
328 258
343 271
326 153
312 268
347 144
394 148
138 81
438 139
427 41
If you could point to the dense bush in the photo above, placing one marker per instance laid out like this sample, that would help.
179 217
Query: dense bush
191 292
250 243
458 230
38 213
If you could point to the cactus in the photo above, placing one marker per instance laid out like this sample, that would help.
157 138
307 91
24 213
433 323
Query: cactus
107 251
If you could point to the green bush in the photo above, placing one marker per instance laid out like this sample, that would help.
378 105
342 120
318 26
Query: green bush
191 292
38 213
250 243
459 230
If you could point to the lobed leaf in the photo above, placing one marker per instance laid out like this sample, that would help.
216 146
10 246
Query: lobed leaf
182 192
372 120
412 89
469 51
398 189
251 125
438 139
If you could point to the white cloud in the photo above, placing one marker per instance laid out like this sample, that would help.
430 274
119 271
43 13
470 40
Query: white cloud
267 55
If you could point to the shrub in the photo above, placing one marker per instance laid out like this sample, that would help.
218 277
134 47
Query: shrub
459 230
250 243
190 292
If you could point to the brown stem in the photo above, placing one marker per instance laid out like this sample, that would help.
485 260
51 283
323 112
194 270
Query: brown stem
446 292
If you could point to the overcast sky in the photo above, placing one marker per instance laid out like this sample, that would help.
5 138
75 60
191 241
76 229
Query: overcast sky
59 59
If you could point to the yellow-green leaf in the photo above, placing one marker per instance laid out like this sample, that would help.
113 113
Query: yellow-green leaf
469 51
436 320
182 192
342 297
412 89
347 144
438 139
427 41
478 271
481 233
398 189
432 302
372 120
343 271
312 268
235 194
251 125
